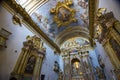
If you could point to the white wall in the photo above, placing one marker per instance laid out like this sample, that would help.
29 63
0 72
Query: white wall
48 63
111 5
93 55
61 62
8 56
108 66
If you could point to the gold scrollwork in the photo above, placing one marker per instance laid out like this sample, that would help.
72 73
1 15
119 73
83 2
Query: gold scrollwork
101 11
63 14
16 20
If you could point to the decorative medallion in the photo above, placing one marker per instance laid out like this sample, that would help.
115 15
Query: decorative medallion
63 14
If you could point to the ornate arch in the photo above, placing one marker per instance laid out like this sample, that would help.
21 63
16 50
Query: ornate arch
72 32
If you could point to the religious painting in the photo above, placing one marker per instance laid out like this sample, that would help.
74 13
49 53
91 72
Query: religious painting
83 7
44 24
29 69
63 14
74 42
39 17
83 3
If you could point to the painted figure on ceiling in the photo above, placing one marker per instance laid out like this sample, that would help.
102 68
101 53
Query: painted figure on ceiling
63 14
84 17
39 17
100 73
44 24
83 3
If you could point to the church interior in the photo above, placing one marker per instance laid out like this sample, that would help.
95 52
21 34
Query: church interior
59 40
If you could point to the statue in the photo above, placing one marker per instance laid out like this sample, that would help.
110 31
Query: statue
100 61
60 75
101 11
100 73
16 20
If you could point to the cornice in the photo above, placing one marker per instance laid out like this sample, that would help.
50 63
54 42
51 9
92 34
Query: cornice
82 49
71 32
36 5
27 19
93 4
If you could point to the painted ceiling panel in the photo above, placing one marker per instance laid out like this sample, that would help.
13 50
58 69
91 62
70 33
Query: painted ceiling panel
45 19
75 42
67 14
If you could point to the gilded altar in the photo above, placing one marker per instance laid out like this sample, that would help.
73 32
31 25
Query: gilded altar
109 36
28 65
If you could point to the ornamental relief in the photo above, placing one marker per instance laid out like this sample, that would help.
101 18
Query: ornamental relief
63 14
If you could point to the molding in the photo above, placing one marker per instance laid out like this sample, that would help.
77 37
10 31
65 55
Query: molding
31 5
93 5
113 58
66 18
36 6
71 32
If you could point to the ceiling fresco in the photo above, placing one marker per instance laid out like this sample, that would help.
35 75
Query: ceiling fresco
74 44
77 41
45 19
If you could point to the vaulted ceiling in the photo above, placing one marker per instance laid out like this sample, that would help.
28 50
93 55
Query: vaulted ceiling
42 15
62 20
